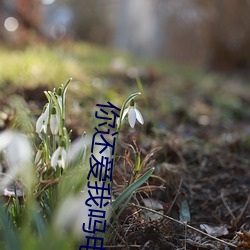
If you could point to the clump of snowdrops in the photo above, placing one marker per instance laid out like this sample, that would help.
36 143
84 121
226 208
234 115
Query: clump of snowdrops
46 173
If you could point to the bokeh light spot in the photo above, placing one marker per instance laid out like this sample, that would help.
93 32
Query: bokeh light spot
11 24
47 2
58 31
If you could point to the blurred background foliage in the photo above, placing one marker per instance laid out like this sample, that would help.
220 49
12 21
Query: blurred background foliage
212 34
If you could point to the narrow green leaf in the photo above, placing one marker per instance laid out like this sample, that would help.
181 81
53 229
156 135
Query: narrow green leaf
122 209
138 163
128 191
185 212
39 222
11 237
65 87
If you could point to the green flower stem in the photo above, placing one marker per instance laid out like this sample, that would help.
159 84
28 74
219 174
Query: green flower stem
61 114
47 137
53 97
53 142
65 87
66 137
118 128
46 150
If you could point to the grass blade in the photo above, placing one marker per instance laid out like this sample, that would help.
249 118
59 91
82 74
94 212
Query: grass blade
128 191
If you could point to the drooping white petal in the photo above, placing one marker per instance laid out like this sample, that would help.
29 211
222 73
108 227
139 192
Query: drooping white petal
61 163
139 116
59 157
63 159
55 156
54 124
124 113
5 139
132 117
18 156
42 121
19 151
66 216
44 127
39 123
38 156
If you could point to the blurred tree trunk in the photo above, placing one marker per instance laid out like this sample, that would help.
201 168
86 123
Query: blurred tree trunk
28 14
214 33
229 34
92 20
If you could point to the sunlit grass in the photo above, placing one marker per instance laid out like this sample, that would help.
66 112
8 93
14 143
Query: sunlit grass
37 65
51 64
43 64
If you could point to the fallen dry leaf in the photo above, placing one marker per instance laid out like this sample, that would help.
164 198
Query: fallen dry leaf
215 231
245 236
152 204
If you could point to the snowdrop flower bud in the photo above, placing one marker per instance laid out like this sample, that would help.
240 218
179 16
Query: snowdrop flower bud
59 157
42 122
54 121
133 114
39 154
59 97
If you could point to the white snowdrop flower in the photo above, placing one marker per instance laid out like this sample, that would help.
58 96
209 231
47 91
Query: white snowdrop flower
42 122
133 114
17 152
54 121
59 157
73 213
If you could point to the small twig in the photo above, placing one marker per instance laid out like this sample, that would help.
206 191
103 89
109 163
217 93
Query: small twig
227 207
173 202
239 217
117 233
184 224
149 188
57 180
48 185
121 246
